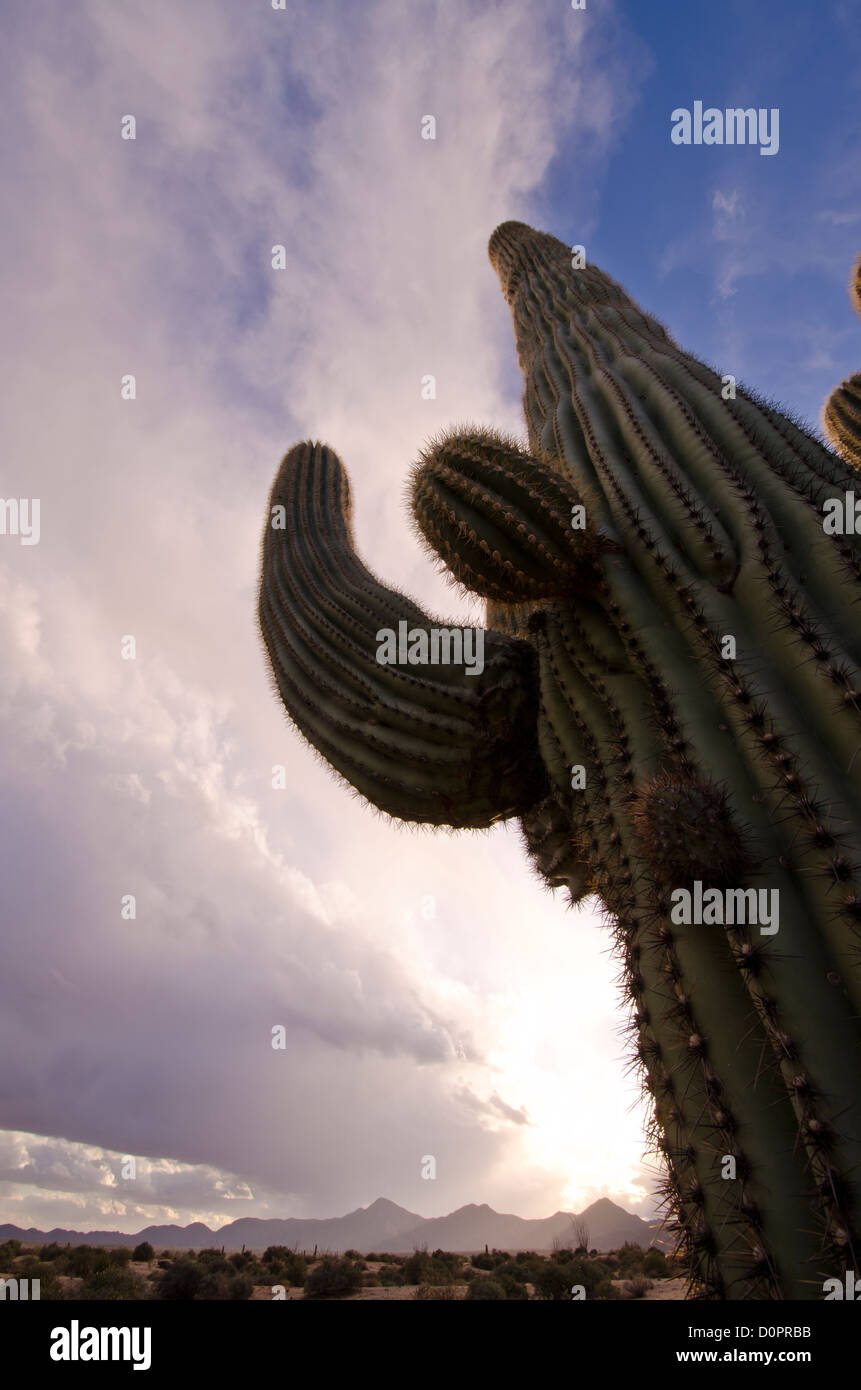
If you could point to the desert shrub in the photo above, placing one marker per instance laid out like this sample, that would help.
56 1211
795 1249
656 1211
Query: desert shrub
51 1251
524 1271
333 1279
112 1283
391 1275
83 1261
189 1281
446 1257
9 1250
143 1253
352 1255
43 1270
630 1259
606 1291
422 1268
289 1267
182 1280
483 1262
637 1287
213 1261
485 1287
241 1259
554 1280
434 1292
511 1287
655 1263
238 1288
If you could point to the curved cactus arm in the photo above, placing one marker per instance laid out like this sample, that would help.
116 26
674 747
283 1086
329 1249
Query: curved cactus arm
842 419
841 414
444 743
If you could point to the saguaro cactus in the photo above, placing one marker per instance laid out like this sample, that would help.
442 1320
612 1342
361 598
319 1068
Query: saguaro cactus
842 414
670 703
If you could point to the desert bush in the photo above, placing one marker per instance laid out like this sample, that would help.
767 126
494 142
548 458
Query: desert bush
512 1287
51 1251
289 1267
112 1283
630 1258
422 1268
238 1288
187 1280
143 1253
435 1292
391 1275
47 1274
333 1279
524 1271
9 1250
637 1287
213 1261
655 1263
483 1262
606 1291
446 1257
182 1280
83 1261
552 1281
484 1287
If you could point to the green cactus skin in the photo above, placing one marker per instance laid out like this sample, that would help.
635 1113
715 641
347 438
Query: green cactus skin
841 418
608 651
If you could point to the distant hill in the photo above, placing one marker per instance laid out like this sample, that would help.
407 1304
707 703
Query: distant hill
382 1226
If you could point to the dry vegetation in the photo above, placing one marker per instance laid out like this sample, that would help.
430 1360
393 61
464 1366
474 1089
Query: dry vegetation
84 1272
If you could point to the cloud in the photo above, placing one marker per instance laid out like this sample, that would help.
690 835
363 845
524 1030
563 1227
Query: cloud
152 777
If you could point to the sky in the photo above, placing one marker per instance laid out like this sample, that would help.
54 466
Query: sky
436 999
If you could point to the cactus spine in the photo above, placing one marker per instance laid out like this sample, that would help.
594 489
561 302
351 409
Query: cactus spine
667 617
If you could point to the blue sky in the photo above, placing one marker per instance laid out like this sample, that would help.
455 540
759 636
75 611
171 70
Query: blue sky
436 999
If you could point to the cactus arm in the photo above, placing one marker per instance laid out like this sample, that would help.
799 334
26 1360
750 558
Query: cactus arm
423 743
841 417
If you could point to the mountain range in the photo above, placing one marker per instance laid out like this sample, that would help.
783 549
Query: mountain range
383 1226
